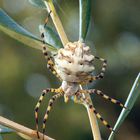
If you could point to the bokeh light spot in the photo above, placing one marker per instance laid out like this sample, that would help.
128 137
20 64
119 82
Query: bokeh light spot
14 6
35 84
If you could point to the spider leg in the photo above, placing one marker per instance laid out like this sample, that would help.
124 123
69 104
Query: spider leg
46 21
100 93
85 100
39 103
49 109
50 62
101 74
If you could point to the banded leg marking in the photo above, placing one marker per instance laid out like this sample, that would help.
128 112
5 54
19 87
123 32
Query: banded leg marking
50 62
37 108
48 110
100 117
100 93
103 69
97 114
39 103
101 74
46 21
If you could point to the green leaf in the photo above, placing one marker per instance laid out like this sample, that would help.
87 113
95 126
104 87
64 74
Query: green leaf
84 11
50 36
38 3
14 30
5 130
131 99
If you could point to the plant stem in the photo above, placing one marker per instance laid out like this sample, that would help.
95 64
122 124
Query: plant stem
27 132
93 120
64 39
94 124
56 21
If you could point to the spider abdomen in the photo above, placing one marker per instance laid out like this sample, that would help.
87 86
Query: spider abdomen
74 63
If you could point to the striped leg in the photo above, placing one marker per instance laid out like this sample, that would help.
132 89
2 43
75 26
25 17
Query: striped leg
96 113
46 21
39 103
49 109
50 62
101 74
37 108
100 93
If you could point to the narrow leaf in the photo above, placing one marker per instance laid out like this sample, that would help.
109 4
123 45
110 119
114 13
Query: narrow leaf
133 95
84 11
38 3
50 36
4 130
14 30
55 18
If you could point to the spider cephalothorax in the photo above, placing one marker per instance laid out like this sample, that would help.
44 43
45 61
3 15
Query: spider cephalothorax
74 63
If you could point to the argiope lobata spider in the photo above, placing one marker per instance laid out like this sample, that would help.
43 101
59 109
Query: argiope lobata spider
73 65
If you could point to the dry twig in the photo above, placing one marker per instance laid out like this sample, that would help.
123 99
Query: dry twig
22 130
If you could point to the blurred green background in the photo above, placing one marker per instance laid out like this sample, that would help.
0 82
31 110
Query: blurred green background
114 34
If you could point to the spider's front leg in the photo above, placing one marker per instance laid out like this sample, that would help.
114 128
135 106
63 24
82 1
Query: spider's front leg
101 74
59 91
50 62
49 58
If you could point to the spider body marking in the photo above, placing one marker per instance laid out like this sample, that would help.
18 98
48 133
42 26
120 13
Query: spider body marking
73 65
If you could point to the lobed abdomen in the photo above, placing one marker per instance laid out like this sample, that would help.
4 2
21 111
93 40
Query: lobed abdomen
74 63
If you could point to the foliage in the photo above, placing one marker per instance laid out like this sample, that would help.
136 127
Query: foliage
116 38
10 27
133 95
4 130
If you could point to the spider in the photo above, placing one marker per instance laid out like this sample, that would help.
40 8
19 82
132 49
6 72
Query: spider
73 65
